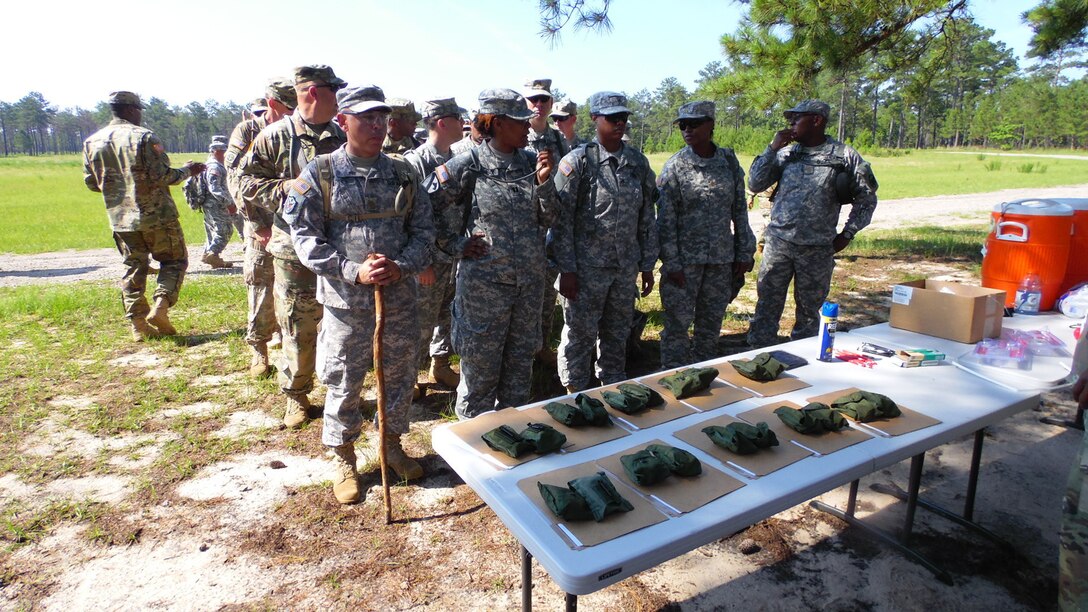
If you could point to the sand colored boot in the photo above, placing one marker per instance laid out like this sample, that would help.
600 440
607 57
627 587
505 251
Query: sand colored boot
442 373
403 466
141 330
345 485
215 261
296 413
160 319
258 362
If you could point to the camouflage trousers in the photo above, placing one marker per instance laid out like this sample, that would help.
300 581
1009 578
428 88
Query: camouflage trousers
218 225
259 273
1073 538
239 222
599 320
547 306
434 313
299 316
345 352
703 299
167 246
810 268
496 331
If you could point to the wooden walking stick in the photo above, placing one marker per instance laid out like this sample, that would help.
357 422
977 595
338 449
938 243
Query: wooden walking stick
379 374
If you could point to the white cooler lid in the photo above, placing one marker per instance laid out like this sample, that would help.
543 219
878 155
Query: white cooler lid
1034 207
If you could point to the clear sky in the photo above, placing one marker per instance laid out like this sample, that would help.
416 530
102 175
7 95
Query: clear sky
75 52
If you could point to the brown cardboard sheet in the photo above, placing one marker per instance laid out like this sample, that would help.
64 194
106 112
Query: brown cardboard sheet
577 437
824 443
682 493
761 463
906 422
671 409
717 395
785 382
591 533
472 430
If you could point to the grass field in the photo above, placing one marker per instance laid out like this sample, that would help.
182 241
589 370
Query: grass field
49 209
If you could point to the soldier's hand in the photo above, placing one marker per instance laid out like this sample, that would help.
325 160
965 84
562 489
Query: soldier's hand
426 277
378 270
840 242
782 138
677 278
263 235
543 166
568 285
647 283
742 267
194 168
476 247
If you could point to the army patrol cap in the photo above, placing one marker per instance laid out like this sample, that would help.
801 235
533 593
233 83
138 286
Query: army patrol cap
445 107
357 100
567 109
282 90
219 143
118 98
608 103
537 87
809 107
258 106
504 102
703 109
317 72
403 107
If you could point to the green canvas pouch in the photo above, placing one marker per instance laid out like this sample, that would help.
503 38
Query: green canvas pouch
592 410
678 460
624 403
742 438
644 468
642 392
566 414
762 367
689 381
564 503
814 418
544 438
505 440
865 406
600 494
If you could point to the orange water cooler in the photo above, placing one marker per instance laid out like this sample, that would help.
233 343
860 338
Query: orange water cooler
1076 270
1028 236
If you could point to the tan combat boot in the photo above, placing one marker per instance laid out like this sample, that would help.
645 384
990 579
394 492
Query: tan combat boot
258 363
296 413
159 317
404 467
442 373
141 330
215 261
345 485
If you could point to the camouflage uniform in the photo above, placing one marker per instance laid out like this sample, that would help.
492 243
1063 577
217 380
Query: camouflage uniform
1073 536
606 234
801 230
551 140
333 245
257 268
218 222
265 180
399 147
127 164
464 145
702 224
407 110
496 308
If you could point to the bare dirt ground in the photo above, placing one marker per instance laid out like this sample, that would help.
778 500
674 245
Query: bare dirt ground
260 529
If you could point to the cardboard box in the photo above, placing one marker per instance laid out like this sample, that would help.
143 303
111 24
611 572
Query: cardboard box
955 311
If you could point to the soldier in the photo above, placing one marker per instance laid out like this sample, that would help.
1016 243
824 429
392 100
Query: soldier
257 268
443 121
359 218
128 165
495 203
257 108
278 155
815 177
472 137
1073 536
702 225
402 127
606 234
218 208
565 117
542 136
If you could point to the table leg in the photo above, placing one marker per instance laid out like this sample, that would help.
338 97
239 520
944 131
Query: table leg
915 483
852 502
526 580
572 603
972 477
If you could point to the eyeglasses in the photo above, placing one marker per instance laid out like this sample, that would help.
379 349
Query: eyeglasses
372 119
689 124
538 99
617 118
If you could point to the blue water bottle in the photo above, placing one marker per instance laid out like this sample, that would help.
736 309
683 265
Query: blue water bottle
829 319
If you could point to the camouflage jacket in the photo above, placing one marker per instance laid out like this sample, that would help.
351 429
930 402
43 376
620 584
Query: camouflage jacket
806 206
702 216
480 193
216 175
361 220
272 163
399 147
240 141
128 165
425 158
464 145
607 216
551 140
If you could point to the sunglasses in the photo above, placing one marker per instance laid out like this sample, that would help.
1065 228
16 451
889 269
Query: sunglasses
330 86
617 118
538 99
689 124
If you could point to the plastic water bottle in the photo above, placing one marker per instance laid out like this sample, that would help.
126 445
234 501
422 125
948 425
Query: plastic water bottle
829 320
1029 295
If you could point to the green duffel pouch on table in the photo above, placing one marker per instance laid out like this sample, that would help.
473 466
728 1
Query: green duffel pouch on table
814 418
592 410
544 438
564 503
689 381
644 468
505 440
761 368
865 406
642 392
632 399
566 414
601 495
742 438
678 460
